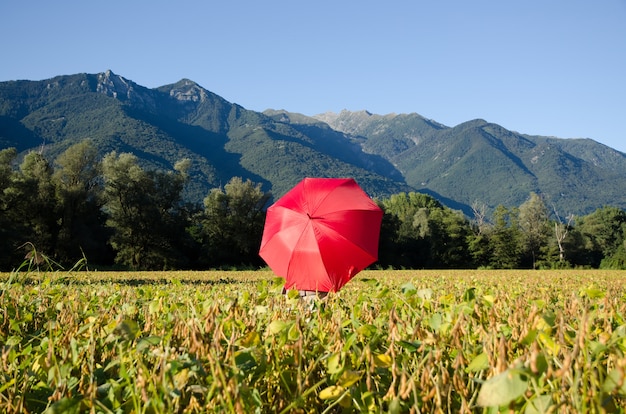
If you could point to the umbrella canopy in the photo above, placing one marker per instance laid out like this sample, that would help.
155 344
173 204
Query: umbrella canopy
321 233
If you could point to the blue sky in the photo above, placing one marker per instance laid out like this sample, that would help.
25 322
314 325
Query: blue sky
554 67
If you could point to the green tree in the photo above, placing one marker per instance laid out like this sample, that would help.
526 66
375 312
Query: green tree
534 226
480 249
576 247
8 227
405 229
449 236
232 223
144 212
604 232
79 194
504 239
418 231
32 204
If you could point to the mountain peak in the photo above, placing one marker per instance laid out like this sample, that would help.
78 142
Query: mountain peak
114 85
188 90
349 122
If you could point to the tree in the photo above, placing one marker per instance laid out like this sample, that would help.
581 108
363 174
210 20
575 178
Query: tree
32 204
427 234
8 226
504 239
533 222
604 232
143 211
449 235
561 230
232 223
79 194
479 221
408 213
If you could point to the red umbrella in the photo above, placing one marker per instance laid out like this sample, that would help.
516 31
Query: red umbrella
321 233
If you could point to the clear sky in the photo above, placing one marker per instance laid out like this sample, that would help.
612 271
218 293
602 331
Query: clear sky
549 67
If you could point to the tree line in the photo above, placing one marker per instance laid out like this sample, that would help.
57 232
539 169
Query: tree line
112 213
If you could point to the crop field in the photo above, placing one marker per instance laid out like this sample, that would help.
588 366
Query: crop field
465 341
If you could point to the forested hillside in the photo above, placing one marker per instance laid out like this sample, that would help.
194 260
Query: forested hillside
476 161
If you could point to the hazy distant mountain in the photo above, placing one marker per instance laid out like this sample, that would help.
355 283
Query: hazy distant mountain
386 154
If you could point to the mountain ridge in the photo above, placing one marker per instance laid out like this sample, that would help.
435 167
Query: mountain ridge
475 161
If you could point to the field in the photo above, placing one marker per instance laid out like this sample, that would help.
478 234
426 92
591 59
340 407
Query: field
390 341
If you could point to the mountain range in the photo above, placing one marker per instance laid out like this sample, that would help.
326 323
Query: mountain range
473 162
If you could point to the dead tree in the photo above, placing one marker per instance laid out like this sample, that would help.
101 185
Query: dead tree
560 231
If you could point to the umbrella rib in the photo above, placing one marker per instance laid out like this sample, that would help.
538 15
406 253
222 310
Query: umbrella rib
346 240
323 200
304 231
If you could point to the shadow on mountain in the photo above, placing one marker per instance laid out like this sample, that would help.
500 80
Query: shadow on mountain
337 145
14 134
207 145
448 202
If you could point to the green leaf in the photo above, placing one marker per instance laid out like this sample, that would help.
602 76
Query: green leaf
410 346
542 364
65 406
13 340
127 329
408 289
530 337
502 389
548 343
367 330
147 342
383 292
550 318
395 407
469 295
597 347
539 405
294 333
615 381
7 385
479 363
293 294
245 361
592 293
446 299
490 299
435 322
278 282
277 326
334 364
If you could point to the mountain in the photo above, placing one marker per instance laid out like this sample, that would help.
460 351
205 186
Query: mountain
181 120
482 162
476 161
